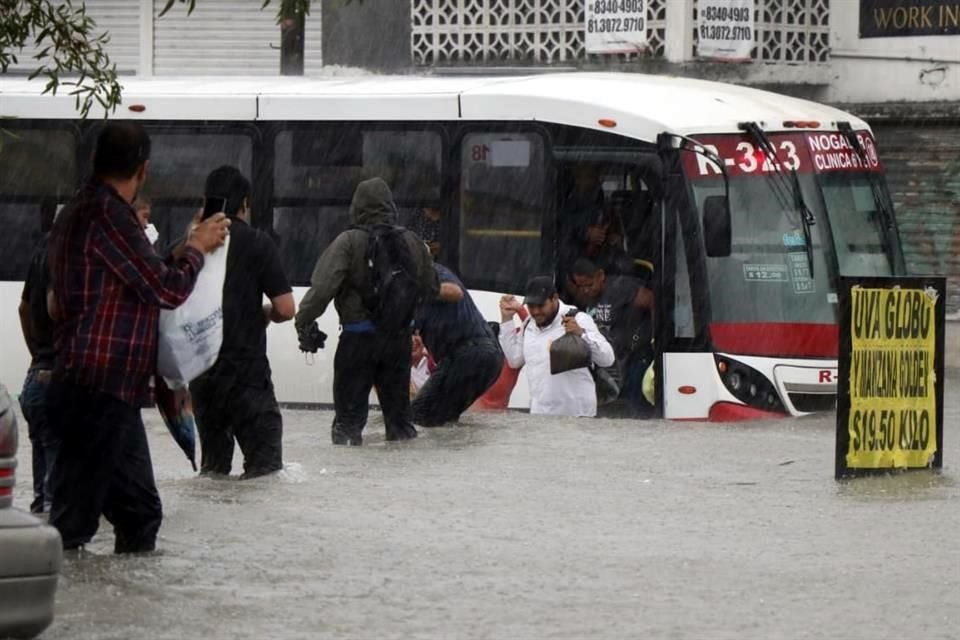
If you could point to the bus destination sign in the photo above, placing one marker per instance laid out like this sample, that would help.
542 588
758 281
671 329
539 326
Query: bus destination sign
890 387
815 152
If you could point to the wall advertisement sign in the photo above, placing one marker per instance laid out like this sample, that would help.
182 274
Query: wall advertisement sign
899 18
615 26
890 389
726 29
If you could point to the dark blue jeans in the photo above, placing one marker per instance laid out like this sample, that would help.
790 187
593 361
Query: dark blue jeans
33 403
459 380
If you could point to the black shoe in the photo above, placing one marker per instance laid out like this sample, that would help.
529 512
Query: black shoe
338 437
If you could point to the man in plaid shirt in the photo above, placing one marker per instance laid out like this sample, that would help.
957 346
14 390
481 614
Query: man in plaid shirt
108 286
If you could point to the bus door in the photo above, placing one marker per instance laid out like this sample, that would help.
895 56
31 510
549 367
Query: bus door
609 204
685 370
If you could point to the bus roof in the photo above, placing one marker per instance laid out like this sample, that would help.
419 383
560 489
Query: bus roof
642 106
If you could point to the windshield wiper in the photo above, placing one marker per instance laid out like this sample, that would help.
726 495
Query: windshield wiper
879 200
787 189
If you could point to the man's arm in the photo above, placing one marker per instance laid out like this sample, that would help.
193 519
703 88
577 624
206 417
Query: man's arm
601 352
124 249
280 309
511 340
328 275
274 284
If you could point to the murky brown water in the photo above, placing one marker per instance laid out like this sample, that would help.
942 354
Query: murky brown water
520 527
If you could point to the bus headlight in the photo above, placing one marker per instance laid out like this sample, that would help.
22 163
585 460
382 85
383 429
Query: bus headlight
748 385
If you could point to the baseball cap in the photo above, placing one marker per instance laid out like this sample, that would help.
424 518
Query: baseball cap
539 290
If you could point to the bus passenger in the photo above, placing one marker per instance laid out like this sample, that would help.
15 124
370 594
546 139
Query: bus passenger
141 206
571 393
468 356
38 335
425 222
622 307
367 356
108 288
601 239
234 399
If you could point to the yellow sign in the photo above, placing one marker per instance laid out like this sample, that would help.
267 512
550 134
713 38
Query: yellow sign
893 411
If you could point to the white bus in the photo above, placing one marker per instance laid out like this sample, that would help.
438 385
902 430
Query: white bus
748 204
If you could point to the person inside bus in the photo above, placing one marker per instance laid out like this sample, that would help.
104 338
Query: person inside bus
108 286
468 356
591 227
234 400
141 206
425 222
366 356
570 393
578 209
622 307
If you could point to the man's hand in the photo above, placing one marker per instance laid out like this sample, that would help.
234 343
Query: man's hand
509 306
596 235
207 235
644 298
571 326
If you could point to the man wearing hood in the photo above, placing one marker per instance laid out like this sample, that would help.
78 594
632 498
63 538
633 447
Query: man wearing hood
367 356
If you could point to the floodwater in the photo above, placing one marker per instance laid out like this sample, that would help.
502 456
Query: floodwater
512 526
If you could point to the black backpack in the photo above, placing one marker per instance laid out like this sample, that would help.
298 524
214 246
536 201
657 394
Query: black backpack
395 291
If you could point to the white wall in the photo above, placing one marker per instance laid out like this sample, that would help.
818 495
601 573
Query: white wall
920 69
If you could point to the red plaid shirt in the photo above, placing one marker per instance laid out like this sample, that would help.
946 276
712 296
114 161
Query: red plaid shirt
109 286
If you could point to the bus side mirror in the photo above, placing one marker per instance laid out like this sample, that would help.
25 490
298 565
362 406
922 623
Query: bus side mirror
717 232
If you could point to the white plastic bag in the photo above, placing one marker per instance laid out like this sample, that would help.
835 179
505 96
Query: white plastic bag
190 335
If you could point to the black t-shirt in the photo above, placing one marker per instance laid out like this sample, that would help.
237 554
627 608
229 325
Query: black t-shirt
35 295
617 317
444 325
253 270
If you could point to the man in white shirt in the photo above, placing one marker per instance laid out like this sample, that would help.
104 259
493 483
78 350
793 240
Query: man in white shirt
571 393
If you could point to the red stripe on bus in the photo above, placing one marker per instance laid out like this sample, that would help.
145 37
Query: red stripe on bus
776 339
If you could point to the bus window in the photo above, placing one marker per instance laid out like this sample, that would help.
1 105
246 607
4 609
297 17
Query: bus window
37 172
180 160
502 204
317 168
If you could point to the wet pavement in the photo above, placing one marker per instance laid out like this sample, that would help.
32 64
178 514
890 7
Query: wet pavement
512 526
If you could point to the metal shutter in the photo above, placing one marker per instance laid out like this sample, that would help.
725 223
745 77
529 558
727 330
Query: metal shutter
220 37
121 19
923 173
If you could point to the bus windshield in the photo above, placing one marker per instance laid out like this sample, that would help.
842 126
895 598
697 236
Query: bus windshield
767 277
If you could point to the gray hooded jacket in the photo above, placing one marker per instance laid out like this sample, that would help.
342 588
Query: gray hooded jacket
341 274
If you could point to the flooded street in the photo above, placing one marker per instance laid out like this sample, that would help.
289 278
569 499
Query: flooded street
512 526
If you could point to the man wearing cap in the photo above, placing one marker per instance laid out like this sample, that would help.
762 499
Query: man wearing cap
570 393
